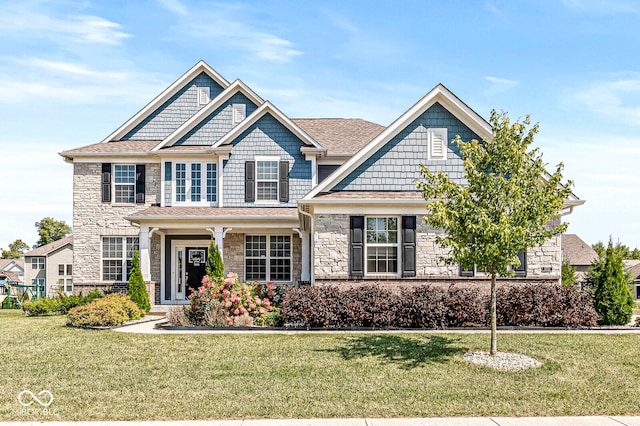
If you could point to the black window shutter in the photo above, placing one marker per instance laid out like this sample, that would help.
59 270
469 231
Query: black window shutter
521 271
106 182
356 246
408 246
250 181
466 270
284 181
140 177
168 196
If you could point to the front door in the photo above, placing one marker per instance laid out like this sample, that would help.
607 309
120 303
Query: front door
196 258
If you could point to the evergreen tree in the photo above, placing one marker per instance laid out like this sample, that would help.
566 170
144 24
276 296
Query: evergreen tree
568 274
137 290
614 301
214 266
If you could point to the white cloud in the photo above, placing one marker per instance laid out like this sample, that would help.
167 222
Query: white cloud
616 99
174 6
499 85
18 17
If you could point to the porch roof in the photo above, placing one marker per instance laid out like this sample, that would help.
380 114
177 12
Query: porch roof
216 214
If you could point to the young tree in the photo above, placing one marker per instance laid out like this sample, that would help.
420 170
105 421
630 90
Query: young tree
508 204
137 290
214 266
614 301
568 274
16 249
51 230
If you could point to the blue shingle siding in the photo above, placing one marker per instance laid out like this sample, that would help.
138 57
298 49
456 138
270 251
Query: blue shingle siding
266 137
217 124
175 111
395 166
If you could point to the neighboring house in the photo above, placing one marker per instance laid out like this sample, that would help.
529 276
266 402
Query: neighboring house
51 265
324 201
578 254
15 268
633 268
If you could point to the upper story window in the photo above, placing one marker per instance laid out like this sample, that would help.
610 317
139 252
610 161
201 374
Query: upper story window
382 245
437 144
37 263
195 183
125 183
266 180
65 269
239 112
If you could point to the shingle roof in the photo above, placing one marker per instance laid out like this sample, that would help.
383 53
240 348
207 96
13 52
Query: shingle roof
11 276
115 147
5 262
576 251
340 135
156 212
371 195
48 248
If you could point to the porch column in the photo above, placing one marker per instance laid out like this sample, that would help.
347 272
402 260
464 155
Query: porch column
306 272
145 263
218 236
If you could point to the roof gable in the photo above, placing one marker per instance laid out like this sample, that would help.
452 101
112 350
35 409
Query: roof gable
199 119
51 247
438 94
201 68
576 251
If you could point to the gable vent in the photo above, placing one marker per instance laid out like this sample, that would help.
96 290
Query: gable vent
437 140
239 112
203 96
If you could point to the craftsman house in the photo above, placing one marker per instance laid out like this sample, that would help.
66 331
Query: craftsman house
319 201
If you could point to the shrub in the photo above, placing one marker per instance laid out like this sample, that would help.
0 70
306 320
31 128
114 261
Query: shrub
312 307
214 266
568 274
177 316
545 306
422 307
236 299
137 289
44 306
466 307
111 310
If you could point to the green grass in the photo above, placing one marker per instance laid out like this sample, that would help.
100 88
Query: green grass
100 375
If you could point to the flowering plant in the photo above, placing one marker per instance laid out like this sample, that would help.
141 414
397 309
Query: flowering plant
239 303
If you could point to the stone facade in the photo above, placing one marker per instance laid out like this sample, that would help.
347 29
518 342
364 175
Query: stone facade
331 256
93 219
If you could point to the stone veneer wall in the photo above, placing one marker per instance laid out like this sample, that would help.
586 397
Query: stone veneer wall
93 219
331 256
234 255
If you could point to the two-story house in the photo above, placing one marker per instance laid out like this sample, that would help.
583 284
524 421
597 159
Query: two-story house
324 201
51 266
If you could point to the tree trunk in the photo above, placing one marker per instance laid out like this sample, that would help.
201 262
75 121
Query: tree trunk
492 311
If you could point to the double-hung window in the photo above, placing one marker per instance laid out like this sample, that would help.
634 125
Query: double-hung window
125 183
382 245
37 263
267 180
117 253
268 257
195 183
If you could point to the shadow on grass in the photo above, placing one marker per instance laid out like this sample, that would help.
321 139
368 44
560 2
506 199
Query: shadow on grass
407 352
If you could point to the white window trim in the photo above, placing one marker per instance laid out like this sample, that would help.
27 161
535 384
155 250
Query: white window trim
203 183
124 257
238 113
271 158
433 142
40 262
268 256
113 185
397 245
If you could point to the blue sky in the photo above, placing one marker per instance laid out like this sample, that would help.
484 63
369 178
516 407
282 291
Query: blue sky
72 71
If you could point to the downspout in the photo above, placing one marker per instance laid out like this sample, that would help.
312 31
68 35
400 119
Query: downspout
311 244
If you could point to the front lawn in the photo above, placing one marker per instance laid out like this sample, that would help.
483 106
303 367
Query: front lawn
100 375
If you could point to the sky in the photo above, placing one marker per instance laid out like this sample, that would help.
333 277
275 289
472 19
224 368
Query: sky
71 72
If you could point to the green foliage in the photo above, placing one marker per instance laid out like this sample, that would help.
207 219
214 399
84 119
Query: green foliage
16 249
137 289
110 310
507 204
214 266
61 304
51 230
613 299
622 250
568 274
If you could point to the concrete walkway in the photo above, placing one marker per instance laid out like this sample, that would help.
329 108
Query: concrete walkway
148 327
453 421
